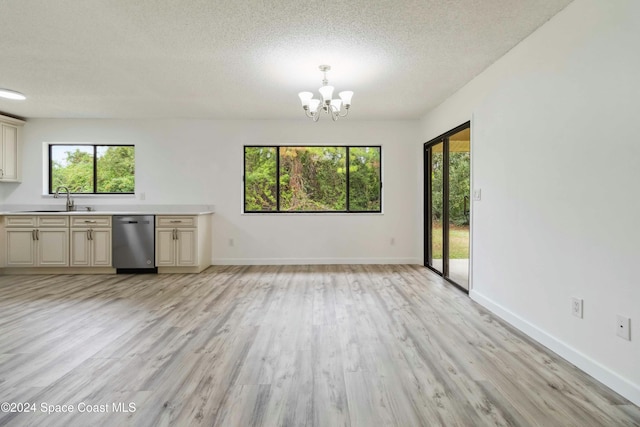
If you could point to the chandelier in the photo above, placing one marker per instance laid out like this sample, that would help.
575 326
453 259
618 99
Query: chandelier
334 107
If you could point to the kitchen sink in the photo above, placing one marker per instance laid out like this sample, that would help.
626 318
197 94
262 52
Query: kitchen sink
43 211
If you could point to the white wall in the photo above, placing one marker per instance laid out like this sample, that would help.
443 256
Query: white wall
200 162
556 156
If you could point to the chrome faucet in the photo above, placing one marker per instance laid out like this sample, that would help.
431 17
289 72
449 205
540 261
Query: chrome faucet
71 206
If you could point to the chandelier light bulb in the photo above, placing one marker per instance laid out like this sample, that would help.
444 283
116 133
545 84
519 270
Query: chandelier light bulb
346 97
326 92
335 108
305 97
313 105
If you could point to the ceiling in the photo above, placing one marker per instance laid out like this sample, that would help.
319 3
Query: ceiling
249 59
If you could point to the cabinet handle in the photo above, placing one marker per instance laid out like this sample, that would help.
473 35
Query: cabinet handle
33 234
175 234
37 234
175 221
90 234
89 221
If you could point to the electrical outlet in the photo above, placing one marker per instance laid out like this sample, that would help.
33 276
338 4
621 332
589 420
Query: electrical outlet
231 242
623 327
576 307
393 241
477 194
143 196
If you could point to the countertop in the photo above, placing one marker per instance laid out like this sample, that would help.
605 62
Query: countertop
43 210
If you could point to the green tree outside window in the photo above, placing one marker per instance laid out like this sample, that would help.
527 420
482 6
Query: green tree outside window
75 166
312 179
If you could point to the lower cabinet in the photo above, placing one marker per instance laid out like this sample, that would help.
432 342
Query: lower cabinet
91 242
44 244
53 247
90 248
37 248
183 243
21 248
176 247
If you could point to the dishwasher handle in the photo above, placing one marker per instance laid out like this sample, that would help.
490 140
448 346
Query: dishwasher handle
126 222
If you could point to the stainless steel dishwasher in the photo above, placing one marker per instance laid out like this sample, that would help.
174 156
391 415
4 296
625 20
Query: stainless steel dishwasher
134 243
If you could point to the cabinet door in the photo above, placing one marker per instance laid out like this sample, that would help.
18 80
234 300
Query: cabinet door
165 247
53 247
21 248
187 247
101 248
9 161
80 248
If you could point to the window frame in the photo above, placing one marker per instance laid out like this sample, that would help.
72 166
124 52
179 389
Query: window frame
50 189
278 210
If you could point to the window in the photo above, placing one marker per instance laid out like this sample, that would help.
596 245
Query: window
312 179
92 169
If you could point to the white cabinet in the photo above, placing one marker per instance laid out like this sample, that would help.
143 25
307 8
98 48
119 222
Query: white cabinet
10 137
34 241
165 247
52 247
176 246
21 247
183 241
91 241
186 247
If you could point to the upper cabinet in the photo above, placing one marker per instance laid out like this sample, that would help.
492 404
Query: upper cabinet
10 135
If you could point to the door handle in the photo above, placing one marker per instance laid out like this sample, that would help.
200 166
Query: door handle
33 234
37 234
465 210
175 234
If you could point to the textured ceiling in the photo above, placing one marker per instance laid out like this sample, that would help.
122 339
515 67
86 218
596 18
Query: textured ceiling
249 59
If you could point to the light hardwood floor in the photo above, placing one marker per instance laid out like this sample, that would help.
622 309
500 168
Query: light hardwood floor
281 346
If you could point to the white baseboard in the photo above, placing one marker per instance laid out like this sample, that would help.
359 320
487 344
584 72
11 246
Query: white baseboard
306 261
603 374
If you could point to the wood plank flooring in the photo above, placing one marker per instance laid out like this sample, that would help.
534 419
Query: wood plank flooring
348 345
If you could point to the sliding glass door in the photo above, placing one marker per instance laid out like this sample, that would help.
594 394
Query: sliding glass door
447 205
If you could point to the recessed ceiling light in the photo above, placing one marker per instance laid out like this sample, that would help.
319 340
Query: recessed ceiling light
11 94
